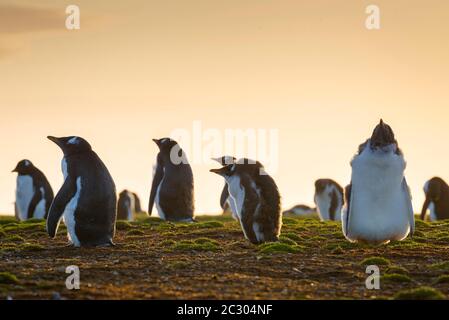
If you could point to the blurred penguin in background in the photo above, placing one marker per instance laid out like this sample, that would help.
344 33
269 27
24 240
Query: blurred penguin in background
437 199
225 202
328 199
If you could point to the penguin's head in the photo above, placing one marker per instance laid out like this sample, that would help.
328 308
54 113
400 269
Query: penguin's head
226 171
24 167
71 145
225 160
165 144
320 185
382 136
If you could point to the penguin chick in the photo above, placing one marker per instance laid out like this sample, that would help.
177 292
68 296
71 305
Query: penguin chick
378 205
126 207
256 198
226 204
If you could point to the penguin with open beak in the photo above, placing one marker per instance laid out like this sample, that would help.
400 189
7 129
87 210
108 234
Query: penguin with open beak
256 199
378 205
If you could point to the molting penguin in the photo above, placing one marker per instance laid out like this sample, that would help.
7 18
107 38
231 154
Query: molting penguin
437 199
172 187
87 200
256 198
225 202
33 192
378 204
126 206
300 210
328 199
137 205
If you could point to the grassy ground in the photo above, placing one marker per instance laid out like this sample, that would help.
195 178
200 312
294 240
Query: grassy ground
211 260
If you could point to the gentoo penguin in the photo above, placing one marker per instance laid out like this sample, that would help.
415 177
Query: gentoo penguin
328 199
87 200
300 210
437 199
126 207
137 205
378 204
225 203
256 198
33 192
172 187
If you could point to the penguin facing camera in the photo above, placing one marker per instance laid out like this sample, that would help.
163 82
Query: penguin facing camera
172 188
87 200
378 205
33 192
256 198
126 206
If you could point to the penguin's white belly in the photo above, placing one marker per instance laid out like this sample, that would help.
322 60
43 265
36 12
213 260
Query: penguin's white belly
379 211
157 201
69 215
237 195
433 216
39 212
231 204
323 204
24 194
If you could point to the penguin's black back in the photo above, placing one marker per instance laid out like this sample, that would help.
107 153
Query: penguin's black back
40 181
438 193
95 214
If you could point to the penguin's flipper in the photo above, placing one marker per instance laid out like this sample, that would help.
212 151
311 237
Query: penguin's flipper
58 205
224 197
348 197
37 197
408 199
157 178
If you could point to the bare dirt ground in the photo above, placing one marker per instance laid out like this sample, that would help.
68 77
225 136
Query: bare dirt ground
211 260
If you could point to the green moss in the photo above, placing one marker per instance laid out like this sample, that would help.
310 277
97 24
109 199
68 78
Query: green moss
14 238
178 265
396 269
443 266
289 221
34 221
442 279
292 236
209 224
135 232
338 250
378 261
7 220
421 293
395 278
122 225
201 244
8 278
421 224
31 247
278 247
286 240
167 243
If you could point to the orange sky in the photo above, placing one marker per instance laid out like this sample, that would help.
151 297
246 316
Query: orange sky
139 69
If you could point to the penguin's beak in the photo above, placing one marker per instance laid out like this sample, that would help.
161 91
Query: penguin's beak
16 169
220 171
382 135
58 141
157 141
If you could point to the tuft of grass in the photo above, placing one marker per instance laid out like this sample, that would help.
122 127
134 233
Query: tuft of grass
442 266
421 293
33 220
289 221
14 238
292 236
396 269
167 243
378 261
135 232
395 278
122 225
420 224
338 250
8 278
279 247
442 279
31 247
209 224
286 240
201 244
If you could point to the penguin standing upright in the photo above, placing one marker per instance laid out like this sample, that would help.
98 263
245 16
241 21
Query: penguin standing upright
172 187
33 192
87 200
300 210
378 204
137 205
225 201
256 198
437 199
328 199
126 207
